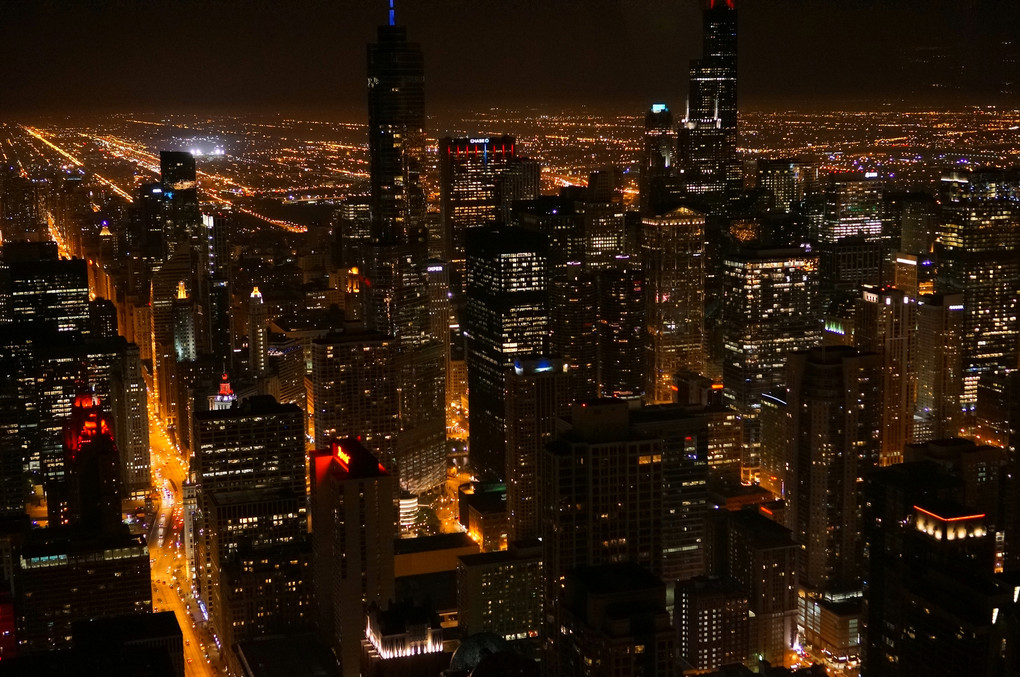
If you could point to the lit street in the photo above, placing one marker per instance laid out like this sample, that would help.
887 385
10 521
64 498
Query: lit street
171 587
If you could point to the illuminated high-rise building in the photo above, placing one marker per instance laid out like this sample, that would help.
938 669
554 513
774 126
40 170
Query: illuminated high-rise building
833 398
913 217
938 412
769 312
685 441
185 314
12 456
258 335
785 182
20 217
761 557
216 244
354 519
252 560
709 167
129 405
364 385
712 622
44 291
501 592
354 392
66 574
93 482
616 485
573 321
853 206
505 319
672 256
86 564
396 291
165 289
474 191
978 251
886 324
851 241
396 137
182 220
603 220
352 230
659 161
620 330
931 558
537 396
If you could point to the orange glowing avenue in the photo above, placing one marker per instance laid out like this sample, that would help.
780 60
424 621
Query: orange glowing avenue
105 181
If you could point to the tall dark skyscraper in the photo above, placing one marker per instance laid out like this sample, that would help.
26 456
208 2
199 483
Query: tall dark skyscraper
353 520
179 181
658 164
708 135
396 136
505 319
396 291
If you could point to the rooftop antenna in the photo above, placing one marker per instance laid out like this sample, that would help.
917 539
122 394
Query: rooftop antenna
393 19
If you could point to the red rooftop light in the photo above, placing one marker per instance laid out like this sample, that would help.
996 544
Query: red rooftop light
948 519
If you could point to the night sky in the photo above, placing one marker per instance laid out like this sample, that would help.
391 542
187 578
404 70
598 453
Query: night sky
309 55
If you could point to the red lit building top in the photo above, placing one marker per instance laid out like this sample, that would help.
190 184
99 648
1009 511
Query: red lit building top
346 459
225 389
87 422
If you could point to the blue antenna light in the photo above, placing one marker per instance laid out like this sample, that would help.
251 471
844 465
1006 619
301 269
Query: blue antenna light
393 20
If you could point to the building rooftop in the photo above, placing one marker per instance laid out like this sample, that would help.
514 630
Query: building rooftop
250 406
763 532
611 579
128 629
287 656
410 546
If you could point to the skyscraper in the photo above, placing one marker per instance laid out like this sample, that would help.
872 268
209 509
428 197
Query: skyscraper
354 519
621 331
977 250
182 220
833 439
672 254
537 395
252 555
396 291
659 162
505 319
709 166
258 339
601 487
396 137
761 556
166 284
769 306
886 324
501 592
93 481
44 291
473 190
938 412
